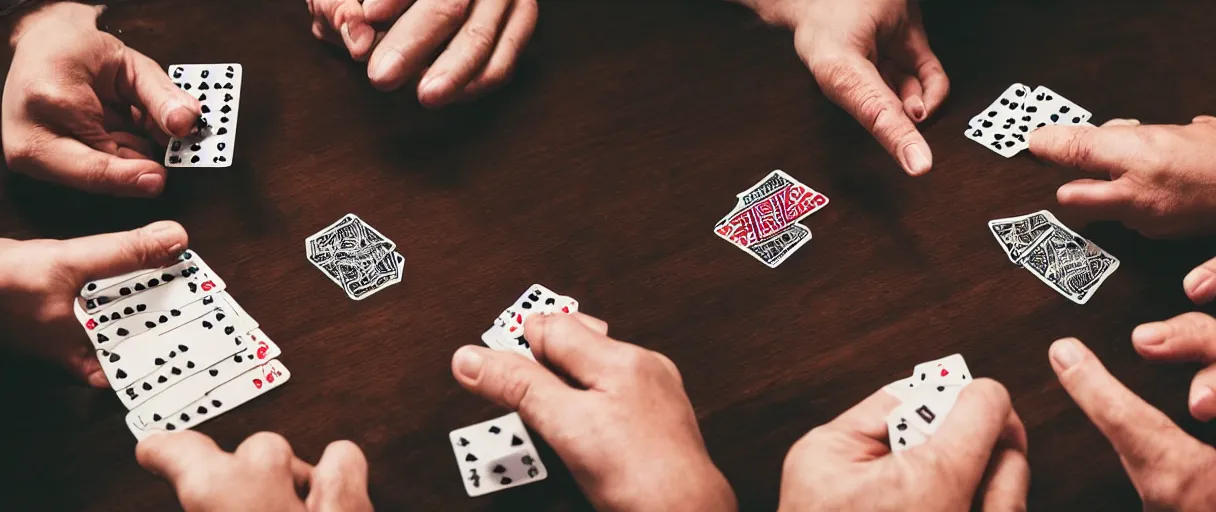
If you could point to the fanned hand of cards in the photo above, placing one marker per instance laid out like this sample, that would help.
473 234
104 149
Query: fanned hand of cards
177 349
1005 126
764 222
217 87
926 398
496 455
1058 256
507 333
356 257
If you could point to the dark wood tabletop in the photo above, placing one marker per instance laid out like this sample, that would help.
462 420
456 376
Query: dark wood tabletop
599 172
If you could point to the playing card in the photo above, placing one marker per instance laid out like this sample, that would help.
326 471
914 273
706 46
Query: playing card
764 219
218 89
355 256
197 343
136 319
1018 234
507 332
361 278
1070 264
902 435
140 281
1048 107
926 398
495 455
165 297
950 371
1004 127
218 400
172 387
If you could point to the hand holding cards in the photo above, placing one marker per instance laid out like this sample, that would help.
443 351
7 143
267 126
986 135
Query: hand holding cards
218 89
926 399
507 333
176 348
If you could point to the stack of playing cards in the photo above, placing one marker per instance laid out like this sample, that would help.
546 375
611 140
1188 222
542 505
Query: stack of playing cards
764 222
507 333
176 348
496 455
926 398
218 89
1066 261
356 257
1005 126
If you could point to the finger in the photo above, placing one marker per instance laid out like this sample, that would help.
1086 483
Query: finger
511 43
144 83
267 450
134 143
1200 284
385 11
1202 399
111 254
353 30
851 81
1139 432
1100 150
1204 120
577 350
69 162
929 85
1121 122
92 372
172 455
593 323
414 40
965 441
339 482
513 382
465 56
300 472
1189 337
867 419
1098 199
1006 481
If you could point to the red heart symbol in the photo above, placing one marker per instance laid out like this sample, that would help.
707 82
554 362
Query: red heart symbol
512 329
207 286
257 383
945 372
519 319
270 378
90 324
262 348
566 310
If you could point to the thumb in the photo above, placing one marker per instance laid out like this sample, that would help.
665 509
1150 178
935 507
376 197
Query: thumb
111 254
339 482
971 431
171 455
509 380
145 84
1142 435
1200 284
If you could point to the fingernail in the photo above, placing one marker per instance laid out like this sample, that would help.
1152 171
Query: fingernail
368 4
383 67
150 183
1066 353
176 115
468 363
916 160
1197 281
346 35
434 86
918 109
166 231
1150 334
1203 403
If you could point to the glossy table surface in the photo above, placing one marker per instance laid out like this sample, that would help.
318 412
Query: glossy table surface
599 172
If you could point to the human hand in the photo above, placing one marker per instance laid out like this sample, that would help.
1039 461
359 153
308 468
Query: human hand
978 454
872 58
75 99
40 280
477 43
1190 337
1162 178
1170 469
262 474
629 406
342 23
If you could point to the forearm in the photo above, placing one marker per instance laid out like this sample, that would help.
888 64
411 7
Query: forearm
772 11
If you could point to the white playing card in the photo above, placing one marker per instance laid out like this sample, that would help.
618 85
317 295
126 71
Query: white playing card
218 89
174 386
495 455
188 265
950 371
1049 107
1004 126
928 407
223 398
926 398
507 332
165 297
92 288
1018 235
1070 264
902 435
202 341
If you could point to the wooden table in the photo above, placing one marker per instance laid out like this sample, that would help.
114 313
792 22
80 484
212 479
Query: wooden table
599 172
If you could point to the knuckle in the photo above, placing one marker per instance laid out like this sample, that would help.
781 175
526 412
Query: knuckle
450 12
635 360
481 38
348 453
271 443
47 96
1163 489
1078 147
195 491
670 366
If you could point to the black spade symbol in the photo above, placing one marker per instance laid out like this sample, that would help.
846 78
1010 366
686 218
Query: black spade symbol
176 371
183 348
205 73
159 361
115 316
155 417
121 374
494 429
153 282
226 109
161 380
1004 101
470 458
516 441
149 324
218 86
190 365
227 97
170 426
101 338
177 72
204 87
229 330
238 358
201 410
186 86
219 317
499 469
174 312
221 131
90 304
141 307
147 387
194 160
91 286
1065 109
1055 118
202 97
462 442
987 124
184 417
505 481
114 357
216 403
999 136
172 354
162 319
124 291
195 147
128 310
206 109
139 287
207 325
121 332
214 372
228 85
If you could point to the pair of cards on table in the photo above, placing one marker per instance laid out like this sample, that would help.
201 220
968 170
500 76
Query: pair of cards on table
507 332
926 398
1069 263
764 221
356 257
1005 126
217 87
175 346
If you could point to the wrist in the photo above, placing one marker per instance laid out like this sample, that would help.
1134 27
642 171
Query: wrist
34 13
677 487
773 12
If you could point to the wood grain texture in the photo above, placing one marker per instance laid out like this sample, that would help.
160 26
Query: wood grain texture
599 172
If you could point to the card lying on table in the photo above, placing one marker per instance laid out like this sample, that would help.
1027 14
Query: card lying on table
217 87
926 398
1058 256
764 222
1005 126
495 455
355 256
175 346
507 332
